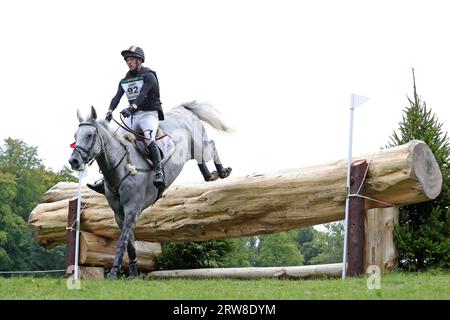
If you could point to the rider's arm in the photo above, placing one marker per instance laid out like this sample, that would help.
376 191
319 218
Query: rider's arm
149 82
115 101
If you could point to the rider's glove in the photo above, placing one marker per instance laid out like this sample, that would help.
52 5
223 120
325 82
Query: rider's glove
109 116
127 112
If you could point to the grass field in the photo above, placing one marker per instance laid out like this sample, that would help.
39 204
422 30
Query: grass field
428 285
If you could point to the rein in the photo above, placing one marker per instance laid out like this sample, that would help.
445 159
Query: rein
85 155
124 126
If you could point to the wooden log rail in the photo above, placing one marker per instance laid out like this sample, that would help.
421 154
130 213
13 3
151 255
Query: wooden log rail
251 205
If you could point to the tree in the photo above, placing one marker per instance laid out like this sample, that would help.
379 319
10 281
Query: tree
305 239
240 253
12 227
189 255
422 237
33 179
23 181
330 244
279 249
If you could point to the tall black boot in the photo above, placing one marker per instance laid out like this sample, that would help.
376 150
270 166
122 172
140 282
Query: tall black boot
97 186
155 156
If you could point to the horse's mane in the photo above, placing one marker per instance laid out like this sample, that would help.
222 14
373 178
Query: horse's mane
113 132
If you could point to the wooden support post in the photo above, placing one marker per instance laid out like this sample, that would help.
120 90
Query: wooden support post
356 220
380 247
71 235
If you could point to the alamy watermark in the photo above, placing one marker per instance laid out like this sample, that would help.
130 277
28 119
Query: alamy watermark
71 282
374 279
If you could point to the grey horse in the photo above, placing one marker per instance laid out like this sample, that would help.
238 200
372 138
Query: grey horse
128 192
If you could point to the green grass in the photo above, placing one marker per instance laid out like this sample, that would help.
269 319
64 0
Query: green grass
398 285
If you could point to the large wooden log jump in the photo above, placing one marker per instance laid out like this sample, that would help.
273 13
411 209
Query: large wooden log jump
251 205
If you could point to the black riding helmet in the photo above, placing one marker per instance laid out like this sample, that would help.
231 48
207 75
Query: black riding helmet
134 52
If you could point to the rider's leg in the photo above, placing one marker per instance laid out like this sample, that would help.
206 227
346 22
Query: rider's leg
155 156
98 186
148 122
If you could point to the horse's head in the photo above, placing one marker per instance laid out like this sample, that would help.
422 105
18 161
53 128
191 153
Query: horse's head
88 142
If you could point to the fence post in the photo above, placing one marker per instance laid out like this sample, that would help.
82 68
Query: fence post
71 234
356 232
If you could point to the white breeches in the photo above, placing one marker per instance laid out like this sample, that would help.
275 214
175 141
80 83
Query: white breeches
146 121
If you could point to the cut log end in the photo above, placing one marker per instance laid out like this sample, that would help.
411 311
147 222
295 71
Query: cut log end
426 169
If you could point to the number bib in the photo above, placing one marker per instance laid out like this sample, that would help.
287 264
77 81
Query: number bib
132 87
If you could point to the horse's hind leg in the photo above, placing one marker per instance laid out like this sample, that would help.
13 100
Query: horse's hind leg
207 175
210 151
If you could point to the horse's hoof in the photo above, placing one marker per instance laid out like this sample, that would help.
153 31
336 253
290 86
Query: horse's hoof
133 271
111 276
225 173
214 176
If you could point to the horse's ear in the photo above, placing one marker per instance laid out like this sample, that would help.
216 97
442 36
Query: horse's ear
93 113
80 118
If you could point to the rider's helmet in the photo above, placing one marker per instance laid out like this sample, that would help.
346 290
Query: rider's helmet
134 52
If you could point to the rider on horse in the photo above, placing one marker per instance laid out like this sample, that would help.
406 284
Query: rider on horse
144 113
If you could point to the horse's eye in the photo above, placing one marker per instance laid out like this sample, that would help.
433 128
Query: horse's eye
89 135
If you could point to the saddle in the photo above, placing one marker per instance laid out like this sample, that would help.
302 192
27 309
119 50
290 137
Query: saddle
164 142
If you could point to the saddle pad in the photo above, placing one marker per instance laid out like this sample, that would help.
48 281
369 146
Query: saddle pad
163 141
167 147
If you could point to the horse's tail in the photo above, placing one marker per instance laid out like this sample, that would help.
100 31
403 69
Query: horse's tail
208 114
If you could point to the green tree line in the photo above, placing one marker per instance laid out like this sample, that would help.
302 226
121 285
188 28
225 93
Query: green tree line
23 181
293 248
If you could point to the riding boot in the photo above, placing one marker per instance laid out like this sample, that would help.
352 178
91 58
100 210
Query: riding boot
155 156
98 186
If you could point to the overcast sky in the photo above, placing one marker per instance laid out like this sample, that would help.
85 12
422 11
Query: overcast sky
280 72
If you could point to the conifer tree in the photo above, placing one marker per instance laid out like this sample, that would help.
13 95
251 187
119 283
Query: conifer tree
422 237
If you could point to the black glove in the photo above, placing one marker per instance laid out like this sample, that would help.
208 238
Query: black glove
109 116
127 112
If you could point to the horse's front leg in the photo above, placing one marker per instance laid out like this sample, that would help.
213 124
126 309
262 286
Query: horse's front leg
131 249
129 224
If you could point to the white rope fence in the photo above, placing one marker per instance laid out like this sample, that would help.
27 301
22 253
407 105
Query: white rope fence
31 272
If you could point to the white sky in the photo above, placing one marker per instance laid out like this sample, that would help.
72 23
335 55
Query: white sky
280 72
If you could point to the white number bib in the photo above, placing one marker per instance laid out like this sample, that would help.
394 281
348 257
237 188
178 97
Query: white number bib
132 87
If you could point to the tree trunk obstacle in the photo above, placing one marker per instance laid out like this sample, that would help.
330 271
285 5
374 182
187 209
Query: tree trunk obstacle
256 204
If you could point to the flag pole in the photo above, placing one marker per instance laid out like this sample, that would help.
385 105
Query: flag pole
81 175
347 186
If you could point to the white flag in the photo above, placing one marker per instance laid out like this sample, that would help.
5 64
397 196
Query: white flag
358 100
